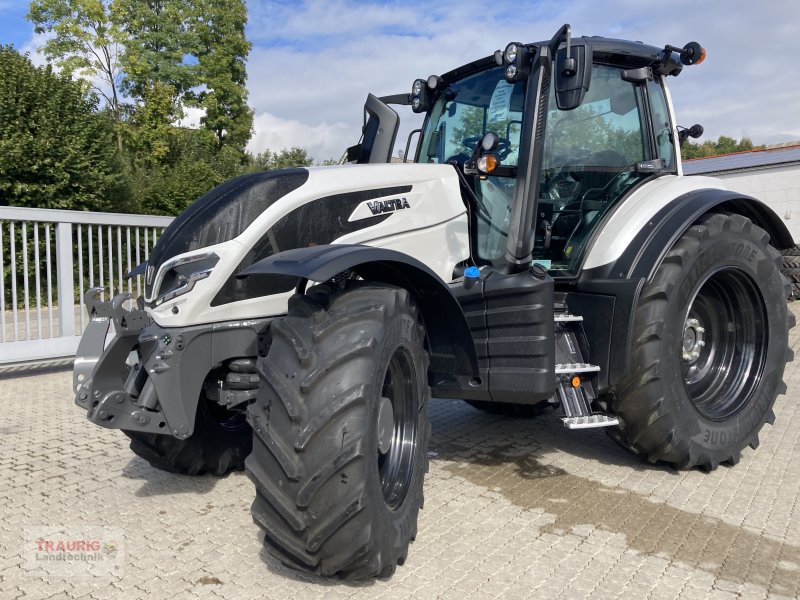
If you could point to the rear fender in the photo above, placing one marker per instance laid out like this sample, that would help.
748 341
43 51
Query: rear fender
649 246
451 346
622 278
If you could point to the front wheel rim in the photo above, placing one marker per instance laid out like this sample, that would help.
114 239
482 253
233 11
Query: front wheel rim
724 344
396 464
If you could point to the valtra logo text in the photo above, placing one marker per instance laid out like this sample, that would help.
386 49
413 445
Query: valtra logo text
383 206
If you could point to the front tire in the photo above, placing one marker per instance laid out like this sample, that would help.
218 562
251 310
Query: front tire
219 443
710 347
340 430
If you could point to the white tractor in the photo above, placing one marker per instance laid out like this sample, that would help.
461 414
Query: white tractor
543 248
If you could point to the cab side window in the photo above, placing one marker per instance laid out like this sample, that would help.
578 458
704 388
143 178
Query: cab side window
606 130
665 144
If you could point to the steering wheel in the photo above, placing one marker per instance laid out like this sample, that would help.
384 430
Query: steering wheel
561 185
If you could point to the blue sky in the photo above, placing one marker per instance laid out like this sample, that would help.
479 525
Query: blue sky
14 29
314 61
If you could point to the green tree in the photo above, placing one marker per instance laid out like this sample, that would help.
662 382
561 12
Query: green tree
150 128
157 43
194 167
56 149
472 126
85 41
170 54
723 145
577 133
217 28
283 159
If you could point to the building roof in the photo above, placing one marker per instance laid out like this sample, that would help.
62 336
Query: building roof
742 161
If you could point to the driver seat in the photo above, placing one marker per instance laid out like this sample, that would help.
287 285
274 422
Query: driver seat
594 175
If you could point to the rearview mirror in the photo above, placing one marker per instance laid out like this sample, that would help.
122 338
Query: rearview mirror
572 75
379 134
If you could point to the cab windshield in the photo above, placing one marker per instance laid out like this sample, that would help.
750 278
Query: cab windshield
463 113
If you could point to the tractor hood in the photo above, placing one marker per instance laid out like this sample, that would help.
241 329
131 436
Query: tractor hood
402 206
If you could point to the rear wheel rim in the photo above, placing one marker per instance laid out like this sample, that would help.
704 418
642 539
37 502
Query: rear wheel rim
396 465
724 344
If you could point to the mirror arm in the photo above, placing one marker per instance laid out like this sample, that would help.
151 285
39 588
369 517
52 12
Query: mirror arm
401 99
564 34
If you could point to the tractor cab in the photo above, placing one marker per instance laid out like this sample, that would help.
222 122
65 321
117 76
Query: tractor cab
574 126
547 138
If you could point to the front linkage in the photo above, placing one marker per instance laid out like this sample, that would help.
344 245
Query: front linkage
114 392
149 379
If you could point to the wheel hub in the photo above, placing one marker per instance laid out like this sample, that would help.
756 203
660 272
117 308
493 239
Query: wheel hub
385 424
693 340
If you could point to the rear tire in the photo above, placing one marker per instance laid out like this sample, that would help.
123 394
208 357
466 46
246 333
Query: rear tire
791 268
219 444
340 430
710 346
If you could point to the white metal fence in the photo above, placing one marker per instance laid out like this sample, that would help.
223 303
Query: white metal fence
49 259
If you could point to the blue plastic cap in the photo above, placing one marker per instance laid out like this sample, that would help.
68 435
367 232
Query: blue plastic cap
472 272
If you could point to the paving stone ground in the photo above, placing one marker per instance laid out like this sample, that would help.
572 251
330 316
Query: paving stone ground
515 508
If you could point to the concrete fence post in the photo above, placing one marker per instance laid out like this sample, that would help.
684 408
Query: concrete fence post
65 268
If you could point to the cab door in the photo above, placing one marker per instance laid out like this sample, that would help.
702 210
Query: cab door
590 162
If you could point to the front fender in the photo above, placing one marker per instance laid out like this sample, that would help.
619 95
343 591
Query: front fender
451 346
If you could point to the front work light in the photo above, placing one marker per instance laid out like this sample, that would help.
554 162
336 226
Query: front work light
516 59
422 93
510 55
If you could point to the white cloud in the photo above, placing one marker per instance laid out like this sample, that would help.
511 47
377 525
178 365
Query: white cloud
191 117
32 48
323 140
313 62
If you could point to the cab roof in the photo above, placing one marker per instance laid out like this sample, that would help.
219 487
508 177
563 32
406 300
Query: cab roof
623 53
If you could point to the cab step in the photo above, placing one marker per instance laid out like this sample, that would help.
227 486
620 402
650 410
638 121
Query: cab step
576 394
567 318
590 422
576 368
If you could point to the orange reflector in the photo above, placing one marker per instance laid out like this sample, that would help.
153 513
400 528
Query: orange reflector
702 56
487 163
576 381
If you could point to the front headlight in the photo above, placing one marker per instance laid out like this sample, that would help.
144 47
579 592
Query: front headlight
179 276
